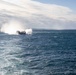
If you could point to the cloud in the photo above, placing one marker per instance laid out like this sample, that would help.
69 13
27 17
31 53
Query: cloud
39 15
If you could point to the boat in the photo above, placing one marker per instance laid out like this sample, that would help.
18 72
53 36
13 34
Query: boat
21 32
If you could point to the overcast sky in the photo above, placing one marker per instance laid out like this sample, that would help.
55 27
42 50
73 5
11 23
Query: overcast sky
46 14
68 3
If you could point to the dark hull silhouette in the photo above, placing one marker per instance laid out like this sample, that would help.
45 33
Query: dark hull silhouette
21 32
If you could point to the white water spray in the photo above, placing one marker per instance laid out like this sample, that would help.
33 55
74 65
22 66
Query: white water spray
13 26
28 31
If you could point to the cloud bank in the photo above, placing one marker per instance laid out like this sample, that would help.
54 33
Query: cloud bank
37 15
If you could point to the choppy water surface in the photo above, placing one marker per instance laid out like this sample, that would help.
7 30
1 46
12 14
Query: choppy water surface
45 52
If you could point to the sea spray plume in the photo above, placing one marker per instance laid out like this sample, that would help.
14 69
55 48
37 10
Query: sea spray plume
28 31
12 27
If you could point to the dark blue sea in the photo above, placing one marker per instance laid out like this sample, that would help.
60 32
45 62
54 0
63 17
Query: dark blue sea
44 52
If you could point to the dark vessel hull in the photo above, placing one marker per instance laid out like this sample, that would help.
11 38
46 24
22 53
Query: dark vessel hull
21 32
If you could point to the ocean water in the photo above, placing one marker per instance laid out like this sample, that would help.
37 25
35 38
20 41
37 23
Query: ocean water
44 52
